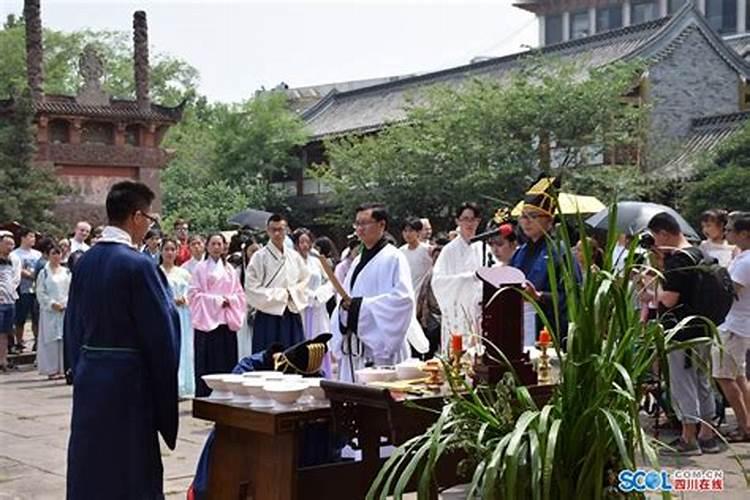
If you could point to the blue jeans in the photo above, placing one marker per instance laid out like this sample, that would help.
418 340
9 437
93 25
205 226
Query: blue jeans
26 306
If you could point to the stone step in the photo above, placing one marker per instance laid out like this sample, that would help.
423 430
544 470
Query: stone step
25 358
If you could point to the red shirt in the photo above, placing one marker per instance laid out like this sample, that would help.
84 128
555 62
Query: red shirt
183 254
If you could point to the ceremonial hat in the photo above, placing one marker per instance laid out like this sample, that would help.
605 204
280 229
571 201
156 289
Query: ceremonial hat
304 358
541 195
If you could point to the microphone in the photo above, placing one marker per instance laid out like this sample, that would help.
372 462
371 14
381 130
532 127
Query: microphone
485 235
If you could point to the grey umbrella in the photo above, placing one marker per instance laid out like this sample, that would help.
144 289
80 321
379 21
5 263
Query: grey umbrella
633 218
250 217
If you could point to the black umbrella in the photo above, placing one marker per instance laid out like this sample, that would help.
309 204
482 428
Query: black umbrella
252 218
633 218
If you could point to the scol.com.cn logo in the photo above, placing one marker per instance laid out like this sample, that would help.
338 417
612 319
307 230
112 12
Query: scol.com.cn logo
641 480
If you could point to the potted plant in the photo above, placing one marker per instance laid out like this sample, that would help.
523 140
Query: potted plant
573 446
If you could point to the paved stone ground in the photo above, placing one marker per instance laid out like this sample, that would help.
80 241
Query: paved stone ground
35 417
34 431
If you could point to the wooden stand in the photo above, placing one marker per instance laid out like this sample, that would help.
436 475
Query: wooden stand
502 324
255 455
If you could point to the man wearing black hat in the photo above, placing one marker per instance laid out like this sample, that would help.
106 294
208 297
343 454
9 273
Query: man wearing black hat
537 221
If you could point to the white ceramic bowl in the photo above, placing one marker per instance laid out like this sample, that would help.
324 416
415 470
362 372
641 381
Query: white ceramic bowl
253 387
219 390
410 369
274 377
241 393
284 393
292 377
314 391
381 374
260 374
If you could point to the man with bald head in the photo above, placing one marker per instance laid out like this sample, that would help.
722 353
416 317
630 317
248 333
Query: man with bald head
78 241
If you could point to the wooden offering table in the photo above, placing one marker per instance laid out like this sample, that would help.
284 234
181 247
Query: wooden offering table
256 452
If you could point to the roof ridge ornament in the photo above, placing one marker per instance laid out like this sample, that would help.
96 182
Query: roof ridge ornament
91 70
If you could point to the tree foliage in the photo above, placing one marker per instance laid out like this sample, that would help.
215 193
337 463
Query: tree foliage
171 79
484 141
29 189
722 179
202 185
256 139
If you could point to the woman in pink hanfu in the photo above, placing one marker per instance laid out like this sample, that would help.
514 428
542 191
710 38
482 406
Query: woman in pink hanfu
217 309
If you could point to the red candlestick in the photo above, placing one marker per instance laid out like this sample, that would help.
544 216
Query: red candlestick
457 342
544 337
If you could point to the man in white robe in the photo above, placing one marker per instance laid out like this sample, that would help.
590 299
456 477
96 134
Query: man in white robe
275 285
457 289
371 327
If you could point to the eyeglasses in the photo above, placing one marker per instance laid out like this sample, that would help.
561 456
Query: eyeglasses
363 224
153 220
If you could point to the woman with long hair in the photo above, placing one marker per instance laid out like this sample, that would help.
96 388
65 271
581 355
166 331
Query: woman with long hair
179 283
217 310
52 285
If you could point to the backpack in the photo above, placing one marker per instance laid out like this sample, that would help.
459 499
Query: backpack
714 293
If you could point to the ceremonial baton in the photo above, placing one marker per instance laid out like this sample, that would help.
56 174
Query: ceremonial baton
331 275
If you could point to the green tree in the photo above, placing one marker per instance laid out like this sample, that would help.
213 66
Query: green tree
256 140
172 79
722 179
485 141
195 187
29 189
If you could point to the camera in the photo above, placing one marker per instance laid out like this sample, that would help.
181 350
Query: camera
646 240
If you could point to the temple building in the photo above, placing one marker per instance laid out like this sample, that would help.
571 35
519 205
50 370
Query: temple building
91 139
693 107
563 20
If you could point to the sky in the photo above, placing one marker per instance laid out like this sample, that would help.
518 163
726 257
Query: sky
239 46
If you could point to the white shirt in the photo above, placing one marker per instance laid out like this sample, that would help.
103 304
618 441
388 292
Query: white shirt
112 234
738 319
75 246
420 264
457 289
723 252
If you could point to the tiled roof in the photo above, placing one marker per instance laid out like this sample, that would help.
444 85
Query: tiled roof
302 98
740 44
705 135
60 105
370 108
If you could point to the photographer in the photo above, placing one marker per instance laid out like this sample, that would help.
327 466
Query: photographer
677 298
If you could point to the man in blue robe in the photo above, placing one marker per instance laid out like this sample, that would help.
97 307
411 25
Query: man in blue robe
537 221
121 338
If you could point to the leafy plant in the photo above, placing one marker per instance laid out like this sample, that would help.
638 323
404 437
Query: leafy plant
573 446
484 140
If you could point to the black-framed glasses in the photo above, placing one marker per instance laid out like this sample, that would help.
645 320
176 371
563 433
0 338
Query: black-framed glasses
153 220
363 224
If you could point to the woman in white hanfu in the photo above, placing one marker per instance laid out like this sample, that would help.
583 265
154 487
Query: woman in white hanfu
315 319
179 283
52 287
374 325
245 335
457 289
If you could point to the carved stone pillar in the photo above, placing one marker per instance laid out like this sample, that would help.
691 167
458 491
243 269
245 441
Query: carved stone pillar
120 134
42 130
75 130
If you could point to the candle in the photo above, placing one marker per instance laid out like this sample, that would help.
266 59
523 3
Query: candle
544 337
456 342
